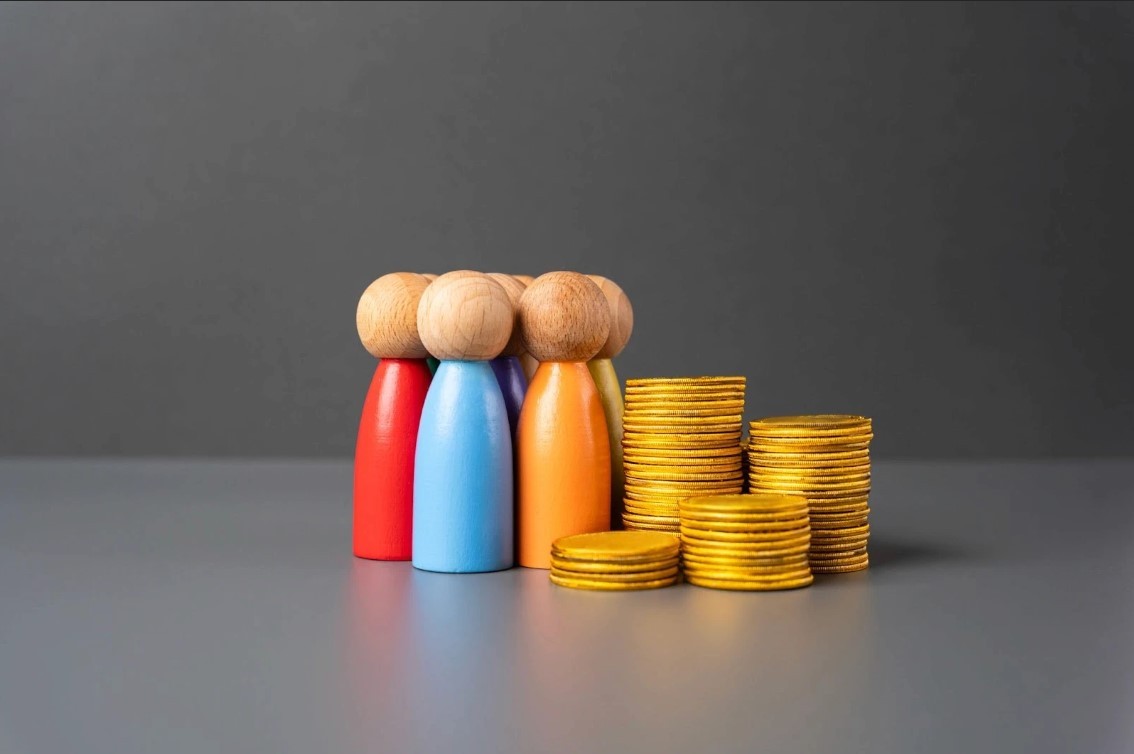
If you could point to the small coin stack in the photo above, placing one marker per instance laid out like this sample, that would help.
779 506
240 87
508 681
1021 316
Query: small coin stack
746 542
681 438
825 458
615 561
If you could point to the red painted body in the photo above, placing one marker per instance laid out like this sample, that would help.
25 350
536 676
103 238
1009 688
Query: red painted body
384 457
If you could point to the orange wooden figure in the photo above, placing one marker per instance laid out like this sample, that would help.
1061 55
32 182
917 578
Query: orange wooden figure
562 446
387 433
610 388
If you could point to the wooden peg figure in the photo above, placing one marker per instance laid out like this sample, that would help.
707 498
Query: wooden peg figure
562 446
529 362
609 387
463 494
386 319
509 372
430 360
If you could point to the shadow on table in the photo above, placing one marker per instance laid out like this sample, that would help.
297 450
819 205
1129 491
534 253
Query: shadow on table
899 553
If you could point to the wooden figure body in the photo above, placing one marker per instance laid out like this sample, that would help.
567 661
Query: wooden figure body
463 493
529 362
562 445
610 388
387 432
507 366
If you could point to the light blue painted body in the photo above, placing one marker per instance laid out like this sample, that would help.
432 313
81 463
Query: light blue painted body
462 494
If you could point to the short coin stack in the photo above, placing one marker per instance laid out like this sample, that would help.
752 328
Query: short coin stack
615 561
825 458
681 438
749 542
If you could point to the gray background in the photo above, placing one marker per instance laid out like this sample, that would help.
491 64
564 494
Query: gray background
920 212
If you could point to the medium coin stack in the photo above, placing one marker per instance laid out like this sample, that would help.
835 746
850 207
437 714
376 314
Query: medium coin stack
746 542
825 458
681 438
615 561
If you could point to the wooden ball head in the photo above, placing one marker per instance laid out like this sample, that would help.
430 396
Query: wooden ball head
465 316
564 317
386 317
621 317
515 289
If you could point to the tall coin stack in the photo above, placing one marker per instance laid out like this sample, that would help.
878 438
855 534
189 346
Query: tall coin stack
825 458
681 439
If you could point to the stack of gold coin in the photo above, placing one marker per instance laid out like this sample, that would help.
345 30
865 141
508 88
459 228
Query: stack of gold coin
751 542
681 438
615 561
825 458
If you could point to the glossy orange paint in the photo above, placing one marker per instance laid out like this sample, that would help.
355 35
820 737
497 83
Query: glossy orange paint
563 459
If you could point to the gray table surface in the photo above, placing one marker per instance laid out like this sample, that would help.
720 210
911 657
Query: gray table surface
159 606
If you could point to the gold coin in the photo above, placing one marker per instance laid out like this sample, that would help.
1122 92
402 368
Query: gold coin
693 415
764 535
682 408
747 572
837 549
613 545
831 570
669 531
687 465
681 428
679 454
846 558
758 445
745 503
811 495
796 455
681 440
811 487
738 527
850 531
610 586
659 573
752 586
786 557
650 518
811 472
703 380
679 491
812 422
822 435
672 477
819 523
709 518
745 552
603 567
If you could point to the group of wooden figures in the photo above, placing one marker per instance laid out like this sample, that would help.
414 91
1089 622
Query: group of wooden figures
492 426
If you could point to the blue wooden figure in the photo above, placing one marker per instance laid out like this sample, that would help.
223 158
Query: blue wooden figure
463 488
507 366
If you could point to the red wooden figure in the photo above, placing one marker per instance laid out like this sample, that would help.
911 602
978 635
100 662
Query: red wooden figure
387 433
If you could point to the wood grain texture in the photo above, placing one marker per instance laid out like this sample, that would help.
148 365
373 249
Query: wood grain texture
384 459
563 458
564 317
465 315
621 317
463 511
515 289
610 393
386 317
